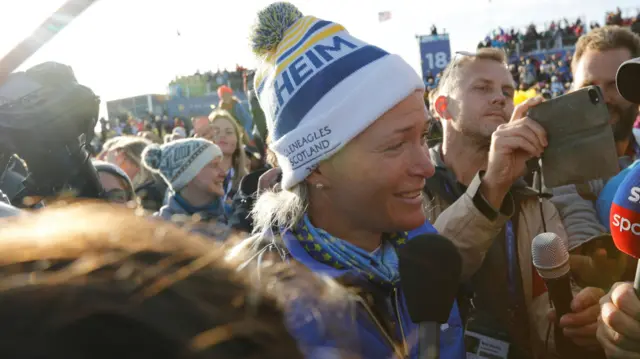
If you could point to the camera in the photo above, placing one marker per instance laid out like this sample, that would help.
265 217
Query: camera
47 119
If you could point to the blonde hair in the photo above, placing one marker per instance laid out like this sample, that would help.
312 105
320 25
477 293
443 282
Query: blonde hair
271 158
131 147
239 159
605 38
150 136
451 74
118 265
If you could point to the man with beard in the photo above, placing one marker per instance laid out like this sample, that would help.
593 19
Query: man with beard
477 198
597 58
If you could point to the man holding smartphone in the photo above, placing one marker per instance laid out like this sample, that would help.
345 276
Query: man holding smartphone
478 199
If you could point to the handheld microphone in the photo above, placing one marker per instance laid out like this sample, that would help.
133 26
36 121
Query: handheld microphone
625 218
430 268
551 258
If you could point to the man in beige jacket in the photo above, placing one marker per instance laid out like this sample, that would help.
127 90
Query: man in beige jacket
478 200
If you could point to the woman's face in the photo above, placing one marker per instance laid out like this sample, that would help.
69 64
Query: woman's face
224 135
376 181
210 180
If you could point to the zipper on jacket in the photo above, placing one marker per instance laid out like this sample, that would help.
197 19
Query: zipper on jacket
404 339
396 348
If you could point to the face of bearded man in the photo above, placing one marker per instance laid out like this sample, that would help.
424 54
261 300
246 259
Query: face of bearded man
599 68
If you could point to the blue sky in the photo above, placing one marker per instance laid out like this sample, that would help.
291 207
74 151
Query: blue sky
123 48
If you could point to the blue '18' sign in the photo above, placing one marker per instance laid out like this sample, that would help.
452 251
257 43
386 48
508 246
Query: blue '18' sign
435 53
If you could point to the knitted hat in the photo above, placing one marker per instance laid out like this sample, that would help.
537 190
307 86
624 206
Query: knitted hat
179 161
320 87
106 167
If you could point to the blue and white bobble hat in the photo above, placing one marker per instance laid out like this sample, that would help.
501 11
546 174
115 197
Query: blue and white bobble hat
179 161
320 87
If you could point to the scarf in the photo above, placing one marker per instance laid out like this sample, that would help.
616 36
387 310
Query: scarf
380 266
211 210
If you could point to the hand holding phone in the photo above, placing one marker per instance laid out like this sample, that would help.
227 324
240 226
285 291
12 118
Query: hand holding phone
581 146
513 144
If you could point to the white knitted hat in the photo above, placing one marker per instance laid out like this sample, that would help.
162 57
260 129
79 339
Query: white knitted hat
179 161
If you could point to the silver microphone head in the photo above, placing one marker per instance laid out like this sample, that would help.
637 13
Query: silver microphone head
550 255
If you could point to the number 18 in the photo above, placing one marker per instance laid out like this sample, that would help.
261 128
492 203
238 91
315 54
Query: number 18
440 60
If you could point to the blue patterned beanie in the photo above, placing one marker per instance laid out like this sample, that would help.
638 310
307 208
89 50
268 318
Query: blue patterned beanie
320 87
179 161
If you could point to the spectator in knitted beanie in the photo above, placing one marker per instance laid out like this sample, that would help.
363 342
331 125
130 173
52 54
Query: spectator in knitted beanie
192 169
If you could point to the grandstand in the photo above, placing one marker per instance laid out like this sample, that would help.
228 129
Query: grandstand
550 36
188 96
627 17
137 107
202 84
540 55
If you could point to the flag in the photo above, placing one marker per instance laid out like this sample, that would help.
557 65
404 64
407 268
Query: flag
384 16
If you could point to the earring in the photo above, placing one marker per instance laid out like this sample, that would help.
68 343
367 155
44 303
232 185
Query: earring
319 186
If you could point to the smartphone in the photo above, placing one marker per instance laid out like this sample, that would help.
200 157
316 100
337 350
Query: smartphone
581 144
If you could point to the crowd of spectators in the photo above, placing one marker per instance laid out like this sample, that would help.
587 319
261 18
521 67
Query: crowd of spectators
211 81
555 35
550 76
618 18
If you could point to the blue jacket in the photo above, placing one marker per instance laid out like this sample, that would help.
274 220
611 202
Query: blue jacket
369 340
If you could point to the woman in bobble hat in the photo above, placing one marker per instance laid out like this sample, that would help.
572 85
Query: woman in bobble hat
353 168
191 168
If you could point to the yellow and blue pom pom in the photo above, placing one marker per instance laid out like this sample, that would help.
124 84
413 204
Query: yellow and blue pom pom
272 23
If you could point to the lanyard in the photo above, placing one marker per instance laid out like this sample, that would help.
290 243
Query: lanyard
511 250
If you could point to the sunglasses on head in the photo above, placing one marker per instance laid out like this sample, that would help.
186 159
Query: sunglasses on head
465 53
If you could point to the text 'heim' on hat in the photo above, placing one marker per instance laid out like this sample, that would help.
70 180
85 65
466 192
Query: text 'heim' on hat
320 87
628 80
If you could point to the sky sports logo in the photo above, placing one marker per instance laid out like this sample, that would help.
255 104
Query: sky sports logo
624 224
634 197
624 219
625 229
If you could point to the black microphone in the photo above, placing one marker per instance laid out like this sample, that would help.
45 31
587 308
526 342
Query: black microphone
430 268
551 258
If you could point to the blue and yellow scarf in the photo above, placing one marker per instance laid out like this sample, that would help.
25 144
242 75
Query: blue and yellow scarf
380 266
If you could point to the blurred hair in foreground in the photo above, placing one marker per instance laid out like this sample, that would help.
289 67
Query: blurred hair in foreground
96 281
